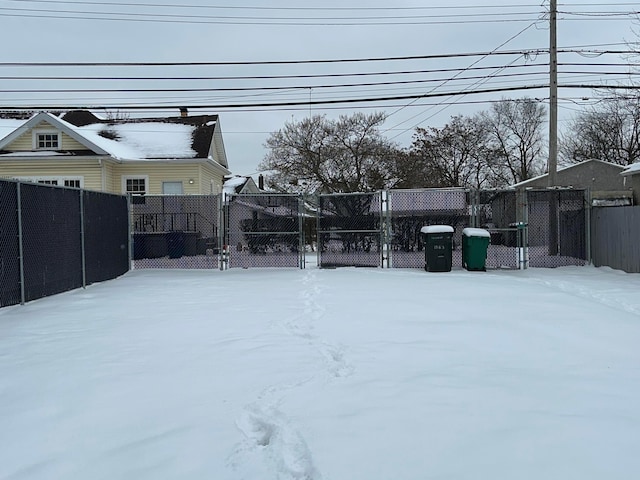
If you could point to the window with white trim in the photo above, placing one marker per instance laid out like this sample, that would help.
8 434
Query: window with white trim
135 185
74 182
46 140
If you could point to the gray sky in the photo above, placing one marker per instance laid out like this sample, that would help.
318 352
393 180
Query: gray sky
110 31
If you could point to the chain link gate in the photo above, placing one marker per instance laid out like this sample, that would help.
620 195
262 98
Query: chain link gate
176 231
350 230
557 233
504 217
263 230
410 210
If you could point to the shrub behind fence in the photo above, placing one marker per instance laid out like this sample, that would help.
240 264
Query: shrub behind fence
55 239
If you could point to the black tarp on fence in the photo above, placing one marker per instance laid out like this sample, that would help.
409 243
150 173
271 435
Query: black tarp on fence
54 239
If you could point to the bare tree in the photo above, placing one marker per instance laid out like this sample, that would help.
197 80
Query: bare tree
455 155
609 131
517 139
317 154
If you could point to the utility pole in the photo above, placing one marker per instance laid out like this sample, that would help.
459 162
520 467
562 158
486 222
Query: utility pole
553 94
553 129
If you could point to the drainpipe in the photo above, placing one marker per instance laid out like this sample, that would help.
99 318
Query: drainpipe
103 179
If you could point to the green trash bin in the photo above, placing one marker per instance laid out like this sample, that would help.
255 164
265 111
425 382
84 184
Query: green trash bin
438 245
475 242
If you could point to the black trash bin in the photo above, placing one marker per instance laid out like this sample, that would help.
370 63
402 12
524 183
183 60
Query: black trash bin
175 244
438 247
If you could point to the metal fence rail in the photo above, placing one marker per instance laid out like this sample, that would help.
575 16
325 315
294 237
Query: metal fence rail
54 239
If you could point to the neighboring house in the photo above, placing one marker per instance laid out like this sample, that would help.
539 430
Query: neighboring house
174 155
603 180
631 175
237 185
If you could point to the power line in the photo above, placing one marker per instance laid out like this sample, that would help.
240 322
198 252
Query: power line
271 8
472 65
529 52
200 21
209 78
275 62
262 88
175 17
315 102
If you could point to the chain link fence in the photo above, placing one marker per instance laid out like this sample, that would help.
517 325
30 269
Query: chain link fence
50 245
500 213
557 226
264 230
106 236
383 228
410 210
350 230
10 277
53 239
176 231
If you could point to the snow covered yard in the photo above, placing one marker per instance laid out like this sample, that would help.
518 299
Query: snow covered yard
333 374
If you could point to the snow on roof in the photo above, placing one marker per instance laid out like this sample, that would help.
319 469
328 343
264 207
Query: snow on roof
230 185
129 141
8 125
632 169
437 229
143 140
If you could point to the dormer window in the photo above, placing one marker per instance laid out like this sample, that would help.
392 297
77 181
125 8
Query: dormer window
46 140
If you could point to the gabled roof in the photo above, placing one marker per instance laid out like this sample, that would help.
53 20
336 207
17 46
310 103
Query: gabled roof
45 117
238 184
632 169
170 138
566 169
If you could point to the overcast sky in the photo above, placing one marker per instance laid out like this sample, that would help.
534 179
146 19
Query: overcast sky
112 31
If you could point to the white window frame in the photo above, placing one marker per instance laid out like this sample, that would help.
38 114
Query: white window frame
36 138
53 178
135 177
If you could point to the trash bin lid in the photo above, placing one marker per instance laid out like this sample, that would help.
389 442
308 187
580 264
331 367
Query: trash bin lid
476 232
436 229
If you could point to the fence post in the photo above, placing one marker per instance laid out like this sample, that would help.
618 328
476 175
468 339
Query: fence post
20 240
522 233
82 246
222 230
301 239
384 237
130 229
318 201
587 225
